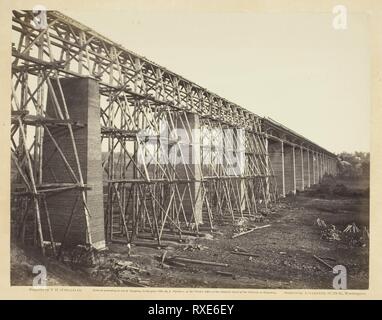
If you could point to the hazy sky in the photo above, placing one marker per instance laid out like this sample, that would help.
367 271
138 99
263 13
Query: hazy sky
294 68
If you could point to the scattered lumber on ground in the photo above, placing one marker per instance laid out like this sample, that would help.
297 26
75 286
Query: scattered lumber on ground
328 258
177 264
223 273
352 228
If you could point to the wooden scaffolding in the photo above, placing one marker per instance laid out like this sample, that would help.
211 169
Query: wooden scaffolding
148 114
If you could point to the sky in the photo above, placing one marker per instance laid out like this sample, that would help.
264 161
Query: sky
294 68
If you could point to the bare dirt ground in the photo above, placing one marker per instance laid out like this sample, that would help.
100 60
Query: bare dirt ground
279 256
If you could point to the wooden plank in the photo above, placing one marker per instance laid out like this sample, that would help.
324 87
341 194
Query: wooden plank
210 263
244 254
249 231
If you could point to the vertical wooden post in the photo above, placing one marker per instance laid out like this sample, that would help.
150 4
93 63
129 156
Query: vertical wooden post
302 169
314 160
294 170
308 168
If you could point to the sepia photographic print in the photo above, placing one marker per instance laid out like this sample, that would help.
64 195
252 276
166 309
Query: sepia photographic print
214 145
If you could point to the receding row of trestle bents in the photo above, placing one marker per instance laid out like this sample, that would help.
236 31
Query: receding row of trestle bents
297 165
